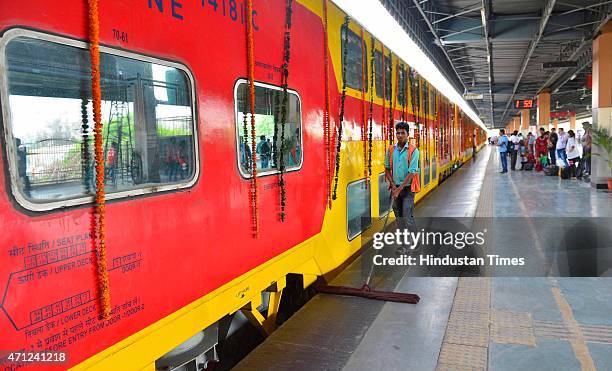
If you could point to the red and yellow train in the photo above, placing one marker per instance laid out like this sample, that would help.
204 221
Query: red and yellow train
178 154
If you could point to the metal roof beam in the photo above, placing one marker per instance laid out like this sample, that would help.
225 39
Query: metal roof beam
467 11
586 43
550 5
461 32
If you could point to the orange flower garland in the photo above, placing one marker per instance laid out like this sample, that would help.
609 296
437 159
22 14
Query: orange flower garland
99 232
326 118
363 111
251 76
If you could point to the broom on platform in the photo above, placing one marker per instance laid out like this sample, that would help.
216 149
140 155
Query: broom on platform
366 291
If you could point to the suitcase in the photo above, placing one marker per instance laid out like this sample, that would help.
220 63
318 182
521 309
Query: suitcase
551 170
528 166
565 172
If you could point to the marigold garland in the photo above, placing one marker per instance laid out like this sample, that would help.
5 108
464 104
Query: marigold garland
363 110
341 115
85 144
99 213
392 102
326 112
284 84
251 77
371 112
384 97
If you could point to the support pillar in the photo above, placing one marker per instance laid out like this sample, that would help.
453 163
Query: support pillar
572 121
516 123
602 102
525 117
543 108
556 124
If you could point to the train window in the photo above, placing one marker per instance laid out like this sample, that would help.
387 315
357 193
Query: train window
147 122
358 208
353 63
378 74
401 85
268 107
384 195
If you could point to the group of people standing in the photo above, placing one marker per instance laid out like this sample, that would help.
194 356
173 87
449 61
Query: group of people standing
549 148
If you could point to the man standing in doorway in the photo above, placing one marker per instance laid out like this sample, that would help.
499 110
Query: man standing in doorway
503 143
402 173
561 144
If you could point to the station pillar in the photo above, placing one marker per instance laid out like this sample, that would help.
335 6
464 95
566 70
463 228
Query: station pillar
525 117
543 109
602 102
556 124
572 122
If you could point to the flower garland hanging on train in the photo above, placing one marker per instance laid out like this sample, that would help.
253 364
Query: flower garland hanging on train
393 100
251 78
85 144
414 100
326 111
345 27
363 111
99 235
284 83
371 113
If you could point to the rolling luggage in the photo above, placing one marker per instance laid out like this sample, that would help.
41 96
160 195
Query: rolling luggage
551 170
565 172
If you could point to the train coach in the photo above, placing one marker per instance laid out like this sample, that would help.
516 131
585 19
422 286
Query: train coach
237 146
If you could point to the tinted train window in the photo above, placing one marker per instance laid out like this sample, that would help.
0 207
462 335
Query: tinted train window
358 208
268 107
354 60
378 74
401 85
384 195
147 119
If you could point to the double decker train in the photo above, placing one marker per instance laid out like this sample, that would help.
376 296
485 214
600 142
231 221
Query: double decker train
181 143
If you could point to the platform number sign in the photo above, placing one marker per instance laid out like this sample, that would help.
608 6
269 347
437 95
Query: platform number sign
523 103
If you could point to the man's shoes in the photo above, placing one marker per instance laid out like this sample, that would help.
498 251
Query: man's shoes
503 171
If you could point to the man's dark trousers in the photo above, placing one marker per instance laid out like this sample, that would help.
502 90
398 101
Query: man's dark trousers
403 207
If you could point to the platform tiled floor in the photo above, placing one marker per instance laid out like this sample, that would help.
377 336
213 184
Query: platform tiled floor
468 323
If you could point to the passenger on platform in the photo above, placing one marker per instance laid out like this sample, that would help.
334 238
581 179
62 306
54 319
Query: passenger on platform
264 151
552 146
573 154
503 143
245 155
523 152
474 147
22 165
514 149
402 173
541 150
561 145
531 143
111 161
586 142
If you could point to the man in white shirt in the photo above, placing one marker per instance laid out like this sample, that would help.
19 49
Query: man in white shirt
514 146
561 144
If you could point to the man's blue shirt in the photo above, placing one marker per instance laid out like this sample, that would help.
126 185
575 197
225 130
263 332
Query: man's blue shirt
503 143
401 169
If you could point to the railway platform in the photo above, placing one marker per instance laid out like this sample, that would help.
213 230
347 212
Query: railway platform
461 323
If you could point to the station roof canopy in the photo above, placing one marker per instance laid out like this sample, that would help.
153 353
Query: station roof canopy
498 47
